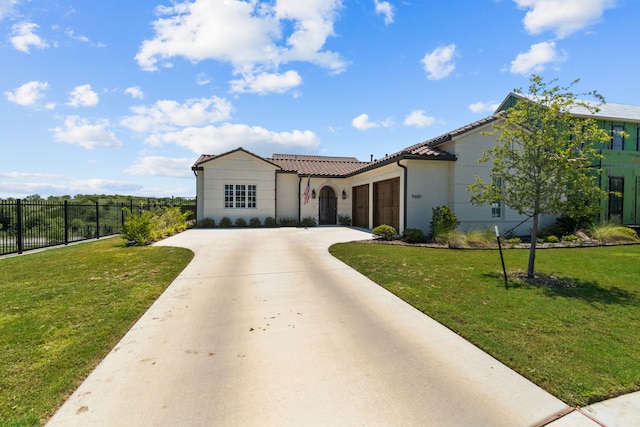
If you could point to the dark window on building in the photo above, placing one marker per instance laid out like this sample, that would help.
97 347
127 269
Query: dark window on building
616 198
617 140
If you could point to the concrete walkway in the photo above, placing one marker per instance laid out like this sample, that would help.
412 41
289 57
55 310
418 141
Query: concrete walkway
265 328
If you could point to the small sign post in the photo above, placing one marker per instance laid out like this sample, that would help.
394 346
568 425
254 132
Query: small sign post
504 270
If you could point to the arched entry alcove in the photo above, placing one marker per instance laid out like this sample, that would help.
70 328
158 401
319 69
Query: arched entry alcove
328 203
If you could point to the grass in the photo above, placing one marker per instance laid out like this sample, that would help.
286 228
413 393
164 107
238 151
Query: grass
580 343
62 310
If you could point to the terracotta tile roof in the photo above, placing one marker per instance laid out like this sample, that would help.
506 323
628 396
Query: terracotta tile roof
298 163
206 157
203 159
317 165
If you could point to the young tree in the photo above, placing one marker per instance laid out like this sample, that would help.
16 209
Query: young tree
545 155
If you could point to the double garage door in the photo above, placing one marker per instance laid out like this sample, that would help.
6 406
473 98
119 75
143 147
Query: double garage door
386 204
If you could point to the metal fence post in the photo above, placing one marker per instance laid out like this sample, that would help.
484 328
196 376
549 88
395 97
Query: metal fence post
66 222
19 236
97 220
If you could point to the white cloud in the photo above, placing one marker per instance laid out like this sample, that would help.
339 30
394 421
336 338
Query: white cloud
102 186
203 29
72 35
169 115
562 17
439 63
265 83
7 8
385 9
536 59
212 139
79 131
23 37
135 92
362 122
484 107
22 184
83 96
419 118
29 175
80 37
202 79
162 166
189 125
28 94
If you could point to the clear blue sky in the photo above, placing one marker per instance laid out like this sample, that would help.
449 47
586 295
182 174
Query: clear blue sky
121 97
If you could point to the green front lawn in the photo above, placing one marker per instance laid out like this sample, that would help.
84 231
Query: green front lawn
61 312
580 343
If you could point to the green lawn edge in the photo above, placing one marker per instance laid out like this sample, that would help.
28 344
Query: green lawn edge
61 312
579 343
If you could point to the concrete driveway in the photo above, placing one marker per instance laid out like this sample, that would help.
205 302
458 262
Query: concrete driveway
265 328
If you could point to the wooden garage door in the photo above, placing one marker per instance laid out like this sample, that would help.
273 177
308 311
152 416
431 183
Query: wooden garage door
360 206
386 202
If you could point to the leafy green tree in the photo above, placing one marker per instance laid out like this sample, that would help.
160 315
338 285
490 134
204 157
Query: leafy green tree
545 156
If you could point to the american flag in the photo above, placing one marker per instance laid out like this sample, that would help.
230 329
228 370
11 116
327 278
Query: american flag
307 191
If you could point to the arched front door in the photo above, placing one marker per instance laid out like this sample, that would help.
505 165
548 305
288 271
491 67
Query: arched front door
328 206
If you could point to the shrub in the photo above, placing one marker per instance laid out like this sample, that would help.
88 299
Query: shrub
551 239
612 233
308 221
484 238
288 222
443 222
254 222
413 235
270 221
566 225
225 222
138 228
384 232
240 222
514 240
569 238
168 221
206 223
344 220
454 240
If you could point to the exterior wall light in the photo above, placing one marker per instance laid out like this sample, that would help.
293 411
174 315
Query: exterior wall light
344 194
313 193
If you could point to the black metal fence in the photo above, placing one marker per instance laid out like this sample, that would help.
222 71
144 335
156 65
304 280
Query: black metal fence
27 225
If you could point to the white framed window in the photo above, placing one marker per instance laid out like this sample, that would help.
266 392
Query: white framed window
240 196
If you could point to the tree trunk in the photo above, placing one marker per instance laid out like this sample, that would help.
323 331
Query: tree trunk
532 251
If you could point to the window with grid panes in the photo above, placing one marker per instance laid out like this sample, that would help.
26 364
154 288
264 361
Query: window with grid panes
240 196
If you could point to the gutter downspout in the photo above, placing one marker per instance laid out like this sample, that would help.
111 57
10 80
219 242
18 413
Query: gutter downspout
404 200
299 199
275 195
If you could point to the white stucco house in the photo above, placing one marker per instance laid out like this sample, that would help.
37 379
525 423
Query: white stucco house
399 190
